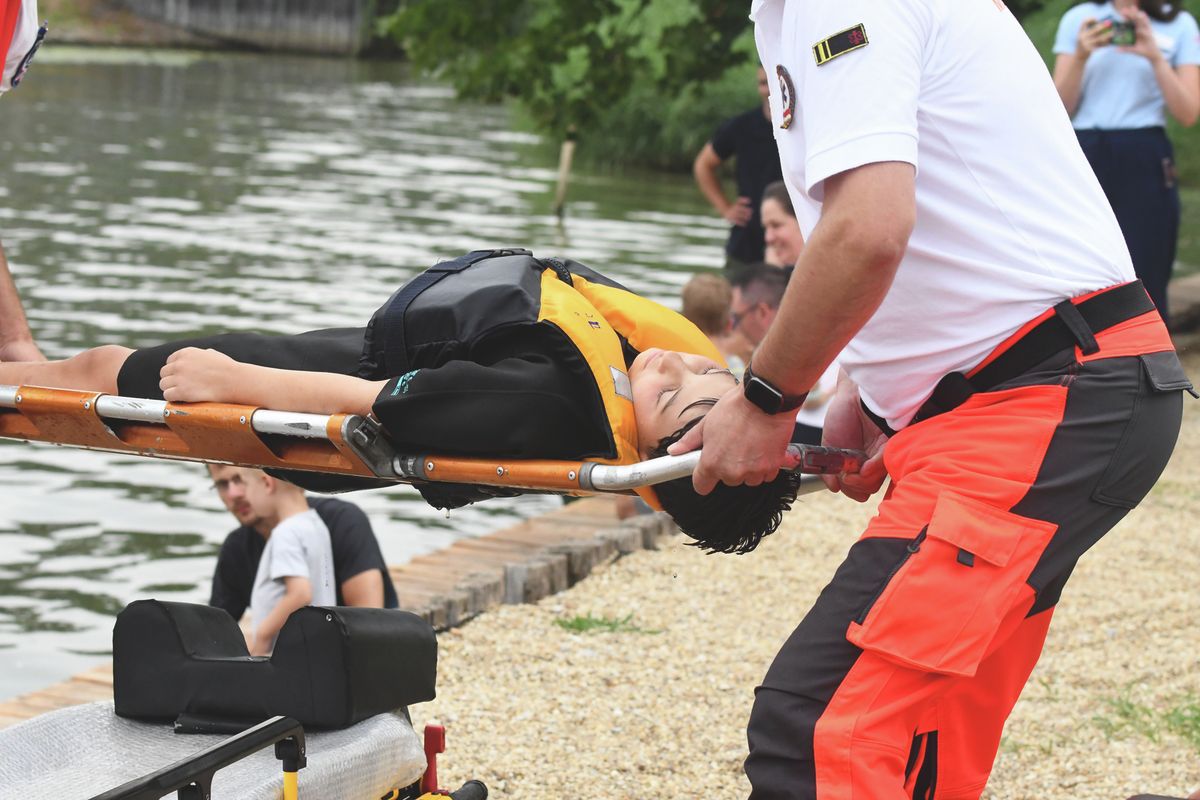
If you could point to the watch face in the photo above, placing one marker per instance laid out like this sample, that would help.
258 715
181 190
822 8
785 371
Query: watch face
762 395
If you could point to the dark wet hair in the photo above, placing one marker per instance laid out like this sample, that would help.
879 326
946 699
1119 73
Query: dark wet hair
729 519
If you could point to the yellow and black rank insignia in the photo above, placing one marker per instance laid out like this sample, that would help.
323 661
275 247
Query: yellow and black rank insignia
840 43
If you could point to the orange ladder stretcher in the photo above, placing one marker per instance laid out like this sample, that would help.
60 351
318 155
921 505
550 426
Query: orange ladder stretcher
344 444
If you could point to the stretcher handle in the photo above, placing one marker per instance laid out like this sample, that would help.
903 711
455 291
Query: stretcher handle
803 458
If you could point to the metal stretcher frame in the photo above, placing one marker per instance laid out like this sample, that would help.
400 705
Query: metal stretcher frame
344 444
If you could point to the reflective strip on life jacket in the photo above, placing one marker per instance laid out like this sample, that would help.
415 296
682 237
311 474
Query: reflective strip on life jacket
591 332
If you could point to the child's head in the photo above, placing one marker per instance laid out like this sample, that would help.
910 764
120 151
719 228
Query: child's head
671 393
706 298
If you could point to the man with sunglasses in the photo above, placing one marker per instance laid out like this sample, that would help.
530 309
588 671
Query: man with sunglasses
757 292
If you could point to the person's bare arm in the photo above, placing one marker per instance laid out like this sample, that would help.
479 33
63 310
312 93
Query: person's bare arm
1068 79
297 594
1180 86
16 341
1181 90
192 375
841 278
1069 67
706 169
364 589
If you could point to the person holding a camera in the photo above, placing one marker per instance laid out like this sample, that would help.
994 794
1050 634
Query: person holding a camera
1120 67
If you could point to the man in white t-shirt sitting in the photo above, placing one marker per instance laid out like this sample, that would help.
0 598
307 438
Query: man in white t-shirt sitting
296 569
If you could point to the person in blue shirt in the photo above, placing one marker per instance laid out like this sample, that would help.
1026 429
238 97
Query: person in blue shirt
1118 96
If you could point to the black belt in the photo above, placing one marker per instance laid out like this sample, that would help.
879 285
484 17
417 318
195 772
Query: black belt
1072 325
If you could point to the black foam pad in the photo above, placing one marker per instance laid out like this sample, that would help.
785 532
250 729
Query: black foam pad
331 668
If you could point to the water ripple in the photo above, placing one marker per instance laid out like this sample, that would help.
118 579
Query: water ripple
146 196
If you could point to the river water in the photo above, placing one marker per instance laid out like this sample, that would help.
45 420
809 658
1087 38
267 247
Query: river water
150 195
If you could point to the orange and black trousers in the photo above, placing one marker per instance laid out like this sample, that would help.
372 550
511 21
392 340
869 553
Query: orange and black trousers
899 680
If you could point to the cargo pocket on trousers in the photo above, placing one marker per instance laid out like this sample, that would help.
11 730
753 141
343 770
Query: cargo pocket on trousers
942 607
1150 434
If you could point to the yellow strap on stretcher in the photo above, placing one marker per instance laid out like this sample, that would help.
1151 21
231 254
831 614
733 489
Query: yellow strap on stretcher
343 444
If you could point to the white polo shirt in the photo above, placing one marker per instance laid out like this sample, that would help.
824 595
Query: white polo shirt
1010 218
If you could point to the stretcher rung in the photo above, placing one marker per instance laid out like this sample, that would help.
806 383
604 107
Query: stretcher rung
343 444
135 409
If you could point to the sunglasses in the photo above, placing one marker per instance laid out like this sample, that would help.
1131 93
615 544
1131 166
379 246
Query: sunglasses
735 317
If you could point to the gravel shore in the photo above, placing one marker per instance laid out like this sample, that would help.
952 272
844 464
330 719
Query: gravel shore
658 708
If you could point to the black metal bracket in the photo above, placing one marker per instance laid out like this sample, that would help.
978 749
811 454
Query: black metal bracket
192 777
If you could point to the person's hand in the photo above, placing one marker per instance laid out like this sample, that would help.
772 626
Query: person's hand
22 350
740 212
1093 34
1145 45
192 375
846 426
741 443
258 647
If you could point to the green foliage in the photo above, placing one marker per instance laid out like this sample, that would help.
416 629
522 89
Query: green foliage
1023 8
1127 716
639 81
1184 720
568 63
1043 24
1189 228
649 128
587 623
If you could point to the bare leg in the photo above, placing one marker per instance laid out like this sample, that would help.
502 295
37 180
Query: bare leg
92 370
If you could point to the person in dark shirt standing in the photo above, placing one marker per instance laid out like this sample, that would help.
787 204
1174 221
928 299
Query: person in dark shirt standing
359 570
749 139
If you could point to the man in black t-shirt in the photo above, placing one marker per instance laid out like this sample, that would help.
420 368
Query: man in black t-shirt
358 566
748 138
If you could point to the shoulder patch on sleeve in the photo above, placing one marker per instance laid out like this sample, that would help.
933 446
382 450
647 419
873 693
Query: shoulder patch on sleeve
840 43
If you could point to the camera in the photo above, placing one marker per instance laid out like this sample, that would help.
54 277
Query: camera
1124 34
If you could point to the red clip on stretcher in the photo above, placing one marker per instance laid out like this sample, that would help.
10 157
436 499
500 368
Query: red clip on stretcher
344 444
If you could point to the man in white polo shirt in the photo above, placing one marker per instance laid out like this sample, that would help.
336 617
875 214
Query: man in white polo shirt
968 269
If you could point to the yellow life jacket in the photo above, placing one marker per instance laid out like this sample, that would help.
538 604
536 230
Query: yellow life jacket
641 322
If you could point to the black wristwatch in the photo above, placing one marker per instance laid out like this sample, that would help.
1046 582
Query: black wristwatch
767 397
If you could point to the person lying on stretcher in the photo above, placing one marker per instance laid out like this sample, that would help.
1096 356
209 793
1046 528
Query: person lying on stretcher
496 353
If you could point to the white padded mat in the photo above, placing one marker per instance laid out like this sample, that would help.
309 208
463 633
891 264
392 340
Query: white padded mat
79 752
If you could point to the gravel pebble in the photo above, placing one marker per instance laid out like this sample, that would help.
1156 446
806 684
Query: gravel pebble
540 713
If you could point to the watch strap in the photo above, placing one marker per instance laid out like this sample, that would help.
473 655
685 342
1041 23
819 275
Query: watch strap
768 397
